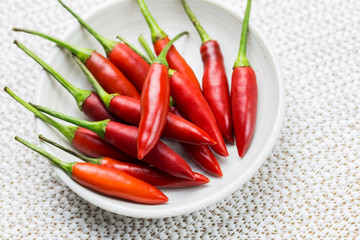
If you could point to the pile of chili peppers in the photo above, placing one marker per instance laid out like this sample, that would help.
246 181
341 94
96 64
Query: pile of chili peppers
139 99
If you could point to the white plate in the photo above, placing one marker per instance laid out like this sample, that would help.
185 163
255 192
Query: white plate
223 24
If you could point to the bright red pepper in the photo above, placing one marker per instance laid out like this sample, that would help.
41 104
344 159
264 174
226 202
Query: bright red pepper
124 137
143 172
128 109
200 154
194 106
106 73
154 102
160 39
105 180
130 63
214 82
87 101
243 93
83 139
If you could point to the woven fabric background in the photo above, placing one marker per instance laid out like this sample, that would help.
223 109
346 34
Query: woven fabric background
308 188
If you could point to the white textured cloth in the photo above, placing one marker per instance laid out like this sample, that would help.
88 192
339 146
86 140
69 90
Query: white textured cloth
308 187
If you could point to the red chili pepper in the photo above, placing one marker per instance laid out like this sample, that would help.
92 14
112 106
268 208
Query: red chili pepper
215 83
83 139
105 180
200 154
243 93
143 172
130 63
87 101
119 135
194 106
160 39
128 109
124 137
106 73
154 102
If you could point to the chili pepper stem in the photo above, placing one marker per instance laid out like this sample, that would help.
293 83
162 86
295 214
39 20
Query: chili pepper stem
156 31
137 51
203 34
86 159
82 53
65 166
146 47
241 60
97 127
105 97
67 131
80 95
162 56
105 42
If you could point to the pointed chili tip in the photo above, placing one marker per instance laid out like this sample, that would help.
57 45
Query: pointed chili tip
163 198
201 178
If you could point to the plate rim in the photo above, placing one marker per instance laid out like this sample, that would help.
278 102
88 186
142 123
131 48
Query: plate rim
270 144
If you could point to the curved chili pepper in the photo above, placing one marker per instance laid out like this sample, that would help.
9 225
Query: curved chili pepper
106 73
154 102
200 154
160 39
130 63
243 93
105 180
128 109
214 83
194 106
143 172
124 137
87 101
83 139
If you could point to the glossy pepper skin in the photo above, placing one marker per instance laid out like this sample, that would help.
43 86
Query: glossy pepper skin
244 93
92 145
124 137
109 76
160 39
143 172
95 109
216 88
105 180
155 99
195 108
129 110
105 72
176 61
130 63
154 108
87 101
215 84
83 139
244 106
200 154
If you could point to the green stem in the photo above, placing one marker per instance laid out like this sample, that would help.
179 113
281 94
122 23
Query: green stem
146 47
105 97
156 32
86 159
203 35
65 166
97 127
136 50
107 44
67 131
82 53
241 60
162 56
80 95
